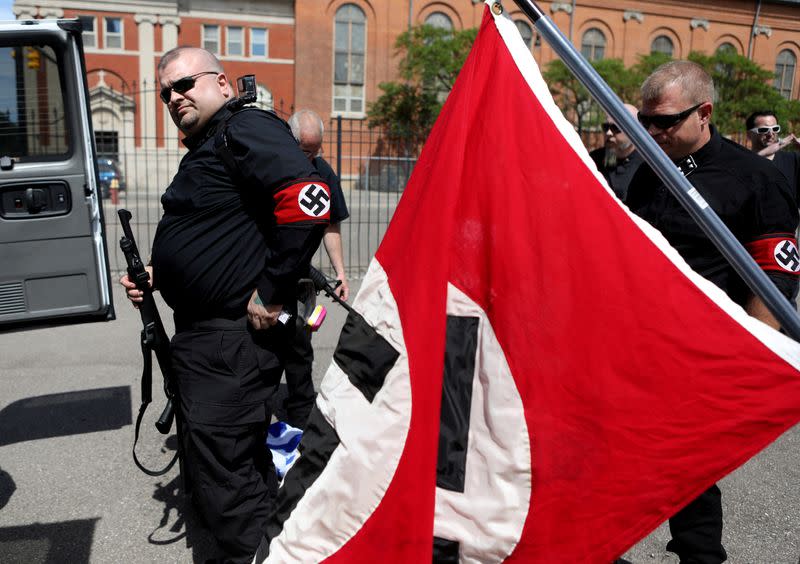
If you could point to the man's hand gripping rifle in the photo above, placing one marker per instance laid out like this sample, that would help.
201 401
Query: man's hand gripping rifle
321 284
154 340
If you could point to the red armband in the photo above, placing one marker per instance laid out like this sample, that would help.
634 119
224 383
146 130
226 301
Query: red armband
303 201
777 253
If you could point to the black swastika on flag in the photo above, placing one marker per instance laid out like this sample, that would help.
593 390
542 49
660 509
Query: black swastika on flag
787 256
459 371
314 200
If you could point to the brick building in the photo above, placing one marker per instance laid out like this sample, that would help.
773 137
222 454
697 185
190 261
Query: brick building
353 52
331 55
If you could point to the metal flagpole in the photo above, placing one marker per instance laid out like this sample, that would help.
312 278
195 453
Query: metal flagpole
686 194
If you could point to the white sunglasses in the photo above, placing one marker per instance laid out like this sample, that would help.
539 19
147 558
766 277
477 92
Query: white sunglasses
766 129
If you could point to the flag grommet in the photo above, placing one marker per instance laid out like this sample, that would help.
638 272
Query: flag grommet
497 8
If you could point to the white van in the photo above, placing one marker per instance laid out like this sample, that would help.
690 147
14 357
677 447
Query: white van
53 254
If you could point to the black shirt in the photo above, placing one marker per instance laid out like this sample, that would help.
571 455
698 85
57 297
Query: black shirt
218 241
339 211
749 195
620 175
789 164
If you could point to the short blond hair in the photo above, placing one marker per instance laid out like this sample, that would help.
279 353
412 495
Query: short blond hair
691 78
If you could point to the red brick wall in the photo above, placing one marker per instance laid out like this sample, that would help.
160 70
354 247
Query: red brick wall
309 43
277 77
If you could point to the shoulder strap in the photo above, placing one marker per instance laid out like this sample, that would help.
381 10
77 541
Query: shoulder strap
223 151
147 380
222 148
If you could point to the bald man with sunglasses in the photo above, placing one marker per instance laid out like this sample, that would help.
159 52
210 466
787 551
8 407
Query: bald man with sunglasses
242 218
750 196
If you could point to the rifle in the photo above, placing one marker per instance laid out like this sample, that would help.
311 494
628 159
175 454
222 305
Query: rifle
153 340
321 284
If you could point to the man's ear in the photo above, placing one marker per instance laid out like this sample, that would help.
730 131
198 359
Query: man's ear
705 112
224 85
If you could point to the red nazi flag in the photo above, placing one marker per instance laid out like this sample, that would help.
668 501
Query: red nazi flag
537 376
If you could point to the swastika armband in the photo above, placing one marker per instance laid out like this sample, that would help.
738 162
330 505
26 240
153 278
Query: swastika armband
776 253
304 201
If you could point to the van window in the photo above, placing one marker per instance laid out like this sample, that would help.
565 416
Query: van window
33 126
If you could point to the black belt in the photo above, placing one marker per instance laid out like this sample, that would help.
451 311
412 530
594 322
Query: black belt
183 323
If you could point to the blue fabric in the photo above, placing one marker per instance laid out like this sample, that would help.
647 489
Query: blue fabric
282 440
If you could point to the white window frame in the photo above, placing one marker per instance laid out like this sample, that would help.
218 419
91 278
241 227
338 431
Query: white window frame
347 112
204 39
229 42
785 84
116 35
253 42
89 34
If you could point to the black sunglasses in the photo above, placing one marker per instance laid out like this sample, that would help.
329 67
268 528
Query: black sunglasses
665 121
766 129
610 126
182 85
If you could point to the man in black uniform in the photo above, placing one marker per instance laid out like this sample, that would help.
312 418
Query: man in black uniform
618 159
242 218
308 129
762 131
750 196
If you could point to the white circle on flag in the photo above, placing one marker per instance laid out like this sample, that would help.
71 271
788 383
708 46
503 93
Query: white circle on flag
786 255
314 200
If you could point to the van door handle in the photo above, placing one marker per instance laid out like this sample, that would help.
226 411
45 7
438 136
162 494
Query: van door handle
35 200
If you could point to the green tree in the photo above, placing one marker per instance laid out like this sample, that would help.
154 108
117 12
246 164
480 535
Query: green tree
789 115
644 66
431 59
576 102
742 87
434 56
406 112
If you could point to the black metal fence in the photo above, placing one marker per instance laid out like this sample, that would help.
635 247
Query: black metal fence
373 174
373 171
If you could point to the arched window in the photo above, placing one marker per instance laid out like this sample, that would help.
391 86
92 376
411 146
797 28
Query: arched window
785 65
728 48
439 20
525 31
662 44
350 36
593 44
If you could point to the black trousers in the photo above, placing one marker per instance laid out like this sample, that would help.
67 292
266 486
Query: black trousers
298 360
226 375
697 530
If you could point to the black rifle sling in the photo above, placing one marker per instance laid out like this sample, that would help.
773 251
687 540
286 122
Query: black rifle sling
147 396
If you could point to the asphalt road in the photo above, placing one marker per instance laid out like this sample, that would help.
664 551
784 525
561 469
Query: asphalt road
69 491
